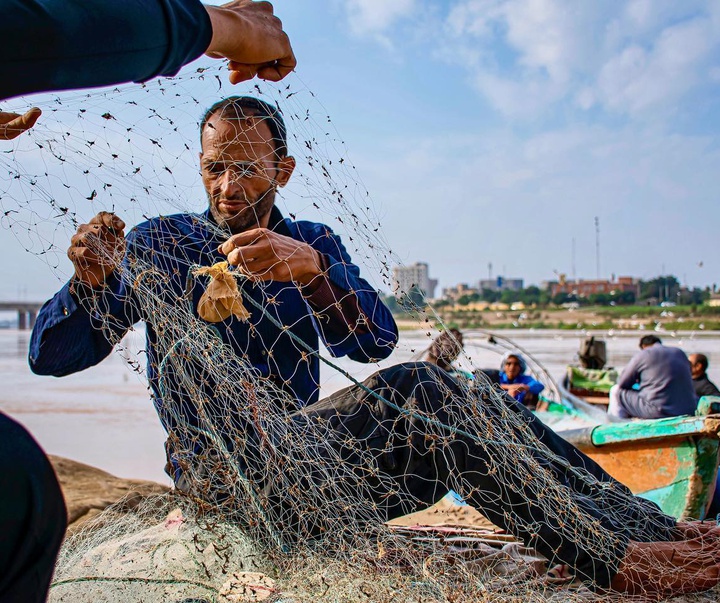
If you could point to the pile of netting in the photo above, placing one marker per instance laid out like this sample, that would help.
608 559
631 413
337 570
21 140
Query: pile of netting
169 550
275 512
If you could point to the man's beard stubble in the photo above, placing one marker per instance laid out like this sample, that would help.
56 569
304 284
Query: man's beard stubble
248 217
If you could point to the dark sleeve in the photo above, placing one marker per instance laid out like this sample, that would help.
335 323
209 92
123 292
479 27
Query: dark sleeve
79 326
631 374
349 315
63 44
706 388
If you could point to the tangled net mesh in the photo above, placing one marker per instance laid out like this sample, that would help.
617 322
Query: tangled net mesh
283 506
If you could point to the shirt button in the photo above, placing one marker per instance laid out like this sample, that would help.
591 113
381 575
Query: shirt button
65 311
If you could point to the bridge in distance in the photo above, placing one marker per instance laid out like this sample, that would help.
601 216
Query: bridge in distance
27 312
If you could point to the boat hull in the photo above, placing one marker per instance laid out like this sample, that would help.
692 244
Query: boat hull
672 462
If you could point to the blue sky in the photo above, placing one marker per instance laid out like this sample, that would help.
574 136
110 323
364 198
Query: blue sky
496 130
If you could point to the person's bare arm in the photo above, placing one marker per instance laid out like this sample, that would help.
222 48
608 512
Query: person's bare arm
251 37
514 388
89 43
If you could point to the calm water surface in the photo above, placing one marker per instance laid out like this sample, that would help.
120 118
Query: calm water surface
104 417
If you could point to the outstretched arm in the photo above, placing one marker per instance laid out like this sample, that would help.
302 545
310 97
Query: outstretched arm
86 43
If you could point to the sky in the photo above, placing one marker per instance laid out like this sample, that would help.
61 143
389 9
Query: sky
496 131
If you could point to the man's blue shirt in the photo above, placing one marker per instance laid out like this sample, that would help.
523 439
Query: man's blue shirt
71 334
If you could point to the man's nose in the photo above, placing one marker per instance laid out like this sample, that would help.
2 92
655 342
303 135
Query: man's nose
231 183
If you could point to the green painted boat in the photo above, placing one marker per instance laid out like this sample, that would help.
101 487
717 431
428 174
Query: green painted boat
672 462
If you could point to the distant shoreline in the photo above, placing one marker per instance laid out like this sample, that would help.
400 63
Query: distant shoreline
409 325
633 319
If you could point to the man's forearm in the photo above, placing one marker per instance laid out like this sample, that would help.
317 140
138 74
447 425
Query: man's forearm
79 327
335 309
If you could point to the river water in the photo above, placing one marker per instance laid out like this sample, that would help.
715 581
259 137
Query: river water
103 416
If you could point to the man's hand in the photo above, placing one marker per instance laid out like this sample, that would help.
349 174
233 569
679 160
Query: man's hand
514 388
270 256
14 124
97 248
251 36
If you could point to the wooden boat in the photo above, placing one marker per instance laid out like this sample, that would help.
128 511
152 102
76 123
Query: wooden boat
673 462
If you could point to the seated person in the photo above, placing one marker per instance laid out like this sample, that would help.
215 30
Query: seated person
445 349
698 369
664 380
515 382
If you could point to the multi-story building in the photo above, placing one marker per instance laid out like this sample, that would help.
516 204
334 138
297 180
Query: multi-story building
458 291
415 275
501 283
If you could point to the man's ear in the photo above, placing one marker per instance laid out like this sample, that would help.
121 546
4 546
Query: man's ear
285 168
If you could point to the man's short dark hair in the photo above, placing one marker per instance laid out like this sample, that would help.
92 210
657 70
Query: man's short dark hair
702 360
242 107
446 347
647 340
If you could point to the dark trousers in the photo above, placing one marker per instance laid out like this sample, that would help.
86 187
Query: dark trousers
33 518
425 461
410 434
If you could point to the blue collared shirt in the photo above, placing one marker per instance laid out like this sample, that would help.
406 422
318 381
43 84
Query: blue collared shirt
71 334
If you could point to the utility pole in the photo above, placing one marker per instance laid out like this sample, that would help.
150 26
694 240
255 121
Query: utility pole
574 276
597 247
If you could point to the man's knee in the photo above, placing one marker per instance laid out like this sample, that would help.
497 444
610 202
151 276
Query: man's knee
615 408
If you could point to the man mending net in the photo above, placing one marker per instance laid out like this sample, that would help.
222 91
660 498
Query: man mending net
239 399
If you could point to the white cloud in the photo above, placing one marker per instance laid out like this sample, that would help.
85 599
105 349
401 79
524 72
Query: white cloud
624 57
517 97
519 200
637 79
375 17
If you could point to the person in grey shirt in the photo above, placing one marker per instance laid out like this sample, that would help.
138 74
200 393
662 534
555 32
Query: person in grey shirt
665 384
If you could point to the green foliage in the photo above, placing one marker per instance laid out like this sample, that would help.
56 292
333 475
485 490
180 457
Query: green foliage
468 299
664 288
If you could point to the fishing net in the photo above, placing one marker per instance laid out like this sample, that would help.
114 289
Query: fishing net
275 502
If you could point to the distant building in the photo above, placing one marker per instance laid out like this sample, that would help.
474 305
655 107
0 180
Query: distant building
714 300
458 291
584 288
416 275
501 283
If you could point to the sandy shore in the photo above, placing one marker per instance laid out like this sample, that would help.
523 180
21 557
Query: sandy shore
88 491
